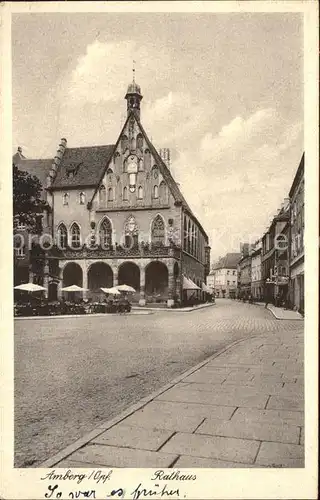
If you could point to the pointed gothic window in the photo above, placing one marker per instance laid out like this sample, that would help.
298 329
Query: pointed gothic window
155 192
140 142
140 193
102 196
147 159
75 236
110 194
185 233
124 143
82 198
62 236
157 230
125 194
105 233
163 192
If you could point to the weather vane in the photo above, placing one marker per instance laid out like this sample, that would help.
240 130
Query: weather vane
133 70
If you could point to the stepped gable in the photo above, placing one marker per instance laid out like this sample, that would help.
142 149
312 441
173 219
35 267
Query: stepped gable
86 164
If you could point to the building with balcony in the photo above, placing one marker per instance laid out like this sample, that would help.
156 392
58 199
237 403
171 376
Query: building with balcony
224 276
296 196
119 217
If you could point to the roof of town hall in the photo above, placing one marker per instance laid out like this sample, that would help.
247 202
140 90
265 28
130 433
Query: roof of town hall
229 261
89 163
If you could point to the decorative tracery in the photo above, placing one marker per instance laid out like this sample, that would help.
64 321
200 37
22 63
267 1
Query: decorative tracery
157 230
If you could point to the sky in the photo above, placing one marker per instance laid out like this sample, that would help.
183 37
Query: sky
223 91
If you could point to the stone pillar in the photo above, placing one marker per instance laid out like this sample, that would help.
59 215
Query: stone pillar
115 276
85 281
142 300
171 285
59 285
46 278
31 274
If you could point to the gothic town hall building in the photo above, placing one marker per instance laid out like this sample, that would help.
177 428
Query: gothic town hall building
117 216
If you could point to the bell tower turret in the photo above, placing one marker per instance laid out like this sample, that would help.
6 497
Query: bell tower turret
134 97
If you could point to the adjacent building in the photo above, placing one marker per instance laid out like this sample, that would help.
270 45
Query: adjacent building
244 271
275 255
118 216
223 276
257 284
296 249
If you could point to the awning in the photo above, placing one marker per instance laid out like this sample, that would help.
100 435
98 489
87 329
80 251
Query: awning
205 288
188 284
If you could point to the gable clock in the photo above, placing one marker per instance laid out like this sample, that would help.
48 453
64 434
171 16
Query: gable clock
132 169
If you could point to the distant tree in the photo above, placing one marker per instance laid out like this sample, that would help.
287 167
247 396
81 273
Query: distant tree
28 204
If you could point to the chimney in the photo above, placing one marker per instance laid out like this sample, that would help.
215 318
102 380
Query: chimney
56 161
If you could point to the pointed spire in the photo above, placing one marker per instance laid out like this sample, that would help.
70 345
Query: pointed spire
133 71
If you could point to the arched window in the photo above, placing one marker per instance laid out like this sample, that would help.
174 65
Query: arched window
140 193
75 236
163 192
125 194
102 196
147 159
140 142
82 198
62 236
185 233
157 230
105 233
155 192
66 199
124 143
117 162
110 194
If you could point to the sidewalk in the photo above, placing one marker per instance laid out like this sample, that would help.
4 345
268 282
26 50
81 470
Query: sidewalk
281 313
242 407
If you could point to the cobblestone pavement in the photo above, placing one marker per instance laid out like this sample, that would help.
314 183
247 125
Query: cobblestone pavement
71 375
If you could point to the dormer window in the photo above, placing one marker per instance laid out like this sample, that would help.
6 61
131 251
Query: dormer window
72 170
65 199
82 198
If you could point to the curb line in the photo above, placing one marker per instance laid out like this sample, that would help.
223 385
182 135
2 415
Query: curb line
81 442
283 319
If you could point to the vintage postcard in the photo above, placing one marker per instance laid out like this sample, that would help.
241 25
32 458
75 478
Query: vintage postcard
159 250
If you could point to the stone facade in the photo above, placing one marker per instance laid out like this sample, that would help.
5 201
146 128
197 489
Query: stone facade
119 217
297 239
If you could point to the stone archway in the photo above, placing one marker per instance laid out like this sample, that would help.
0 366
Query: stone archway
129 274
157 282
72 275
100 275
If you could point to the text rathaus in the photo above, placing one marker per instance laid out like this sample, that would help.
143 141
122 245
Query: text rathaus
116 215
